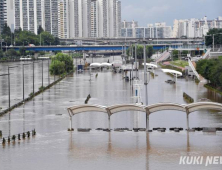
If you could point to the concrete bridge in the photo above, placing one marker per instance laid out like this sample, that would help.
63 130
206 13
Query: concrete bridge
148 110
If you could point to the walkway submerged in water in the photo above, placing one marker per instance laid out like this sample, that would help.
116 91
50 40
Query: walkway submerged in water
32 96
147 109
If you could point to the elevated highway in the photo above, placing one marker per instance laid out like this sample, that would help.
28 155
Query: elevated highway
123 40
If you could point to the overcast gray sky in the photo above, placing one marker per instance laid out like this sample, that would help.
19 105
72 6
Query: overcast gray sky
151 11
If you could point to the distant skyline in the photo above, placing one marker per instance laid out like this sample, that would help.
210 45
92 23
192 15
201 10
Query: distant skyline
151 11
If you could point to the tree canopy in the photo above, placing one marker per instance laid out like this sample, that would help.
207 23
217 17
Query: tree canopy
217 37
61 63
149 51
211 70
24 38
40 30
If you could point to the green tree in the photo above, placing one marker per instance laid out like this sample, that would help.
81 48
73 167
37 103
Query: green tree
61 58
149 50
6 31
57 67
40 30
7 35
22 51
11 53
217 37
175 54
25 38
1 54
57 41
211 70
47 38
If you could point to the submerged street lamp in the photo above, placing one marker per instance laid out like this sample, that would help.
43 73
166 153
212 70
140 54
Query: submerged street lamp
23 77
145 83
34 76
9 84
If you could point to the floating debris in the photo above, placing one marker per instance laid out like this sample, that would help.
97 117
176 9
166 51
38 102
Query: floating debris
87 99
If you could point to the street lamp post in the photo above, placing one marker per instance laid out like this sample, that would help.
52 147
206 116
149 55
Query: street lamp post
48 73
33 76
213 42
136 60
146 83
9 91
42 73
23 76
213 38
8 86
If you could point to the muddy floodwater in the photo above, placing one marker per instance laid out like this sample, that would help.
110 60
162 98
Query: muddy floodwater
54 148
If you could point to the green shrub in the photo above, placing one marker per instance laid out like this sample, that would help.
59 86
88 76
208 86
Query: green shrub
57 67
61 63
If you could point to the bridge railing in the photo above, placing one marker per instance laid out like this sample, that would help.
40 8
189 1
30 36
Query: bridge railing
207 54
193 69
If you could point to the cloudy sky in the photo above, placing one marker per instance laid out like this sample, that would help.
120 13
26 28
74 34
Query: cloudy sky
151 11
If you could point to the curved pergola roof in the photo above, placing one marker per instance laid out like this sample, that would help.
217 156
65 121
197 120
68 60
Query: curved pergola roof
95 65
86 108
100 65
106 65
165 106
172 71
125 107
150 65
203 105
147 109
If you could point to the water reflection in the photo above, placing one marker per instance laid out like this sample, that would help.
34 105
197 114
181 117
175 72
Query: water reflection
101 150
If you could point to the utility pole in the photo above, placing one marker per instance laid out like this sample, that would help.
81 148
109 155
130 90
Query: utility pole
213 42
136 60
146 83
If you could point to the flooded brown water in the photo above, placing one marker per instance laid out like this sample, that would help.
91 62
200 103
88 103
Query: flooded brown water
55 148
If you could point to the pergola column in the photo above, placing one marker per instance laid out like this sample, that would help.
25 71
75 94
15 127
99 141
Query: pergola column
109 115
109 121
147 120
188 126
70 123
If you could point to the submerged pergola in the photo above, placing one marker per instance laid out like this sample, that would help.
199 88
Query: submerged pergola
146 109
173 72
100 65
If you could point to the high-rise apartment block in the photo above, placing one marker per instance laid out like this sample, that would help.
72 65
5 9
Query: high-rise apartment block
3 14
27 14
64 18
193 28
6 14
158 30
